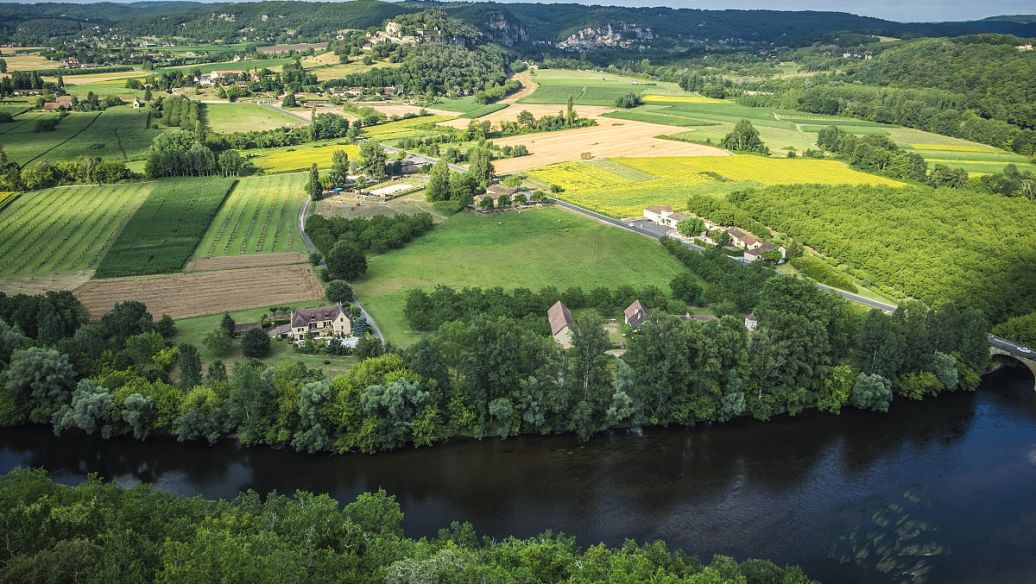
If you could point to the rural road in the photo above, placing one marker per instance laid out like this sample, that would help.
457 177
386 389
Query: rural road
656 235
313 249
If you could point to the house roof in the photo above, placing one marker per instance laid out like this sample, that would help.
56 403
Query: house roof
305 316
560 317
679 216
751 317
496 191
657 209
635 313
245 326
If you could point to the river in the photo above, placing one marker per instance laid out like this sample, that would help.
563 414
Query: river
942 491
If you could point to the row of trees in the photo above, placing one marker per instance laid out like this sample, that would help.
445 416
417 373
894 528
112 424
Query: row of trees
344 242
87 169
880 155
149 536
181 153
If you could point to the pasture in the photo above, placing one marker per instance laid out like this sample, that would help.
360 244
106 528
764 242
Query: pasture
289 158
592 87
532 249
163 234
622 187
244 117
260 215
469 108
64 230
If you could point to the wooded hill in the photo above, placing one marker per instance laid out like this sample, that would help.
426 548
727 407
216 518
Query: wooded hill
508 24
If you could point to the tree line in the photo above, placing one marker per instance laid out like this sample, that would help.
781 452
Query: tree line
85 169
344 242
144 535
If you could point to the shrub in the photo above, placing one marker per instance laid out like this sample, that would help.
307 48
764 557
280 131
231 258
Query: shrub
339 291
918 385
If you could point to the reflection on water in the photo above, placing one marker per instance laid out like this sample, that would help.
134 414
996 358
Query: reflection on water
939 491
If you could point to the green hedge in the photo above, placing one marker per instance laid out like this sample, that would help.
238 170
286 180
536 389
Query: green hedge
823 273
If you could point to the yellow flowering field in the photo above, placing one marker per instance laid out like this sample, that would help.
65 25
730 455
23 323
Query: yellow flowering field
301 158
954 148
671 180
402 128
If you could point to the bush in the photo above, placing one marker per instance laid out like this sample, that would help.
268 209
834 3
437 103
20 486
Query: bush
918 385
339 291
255 343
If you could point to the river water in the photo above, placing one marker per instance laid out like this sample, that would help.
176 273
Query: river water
937 491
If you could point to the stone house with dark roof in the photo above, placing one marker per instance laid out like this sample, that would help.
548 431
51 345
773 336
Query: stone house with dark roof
560 318
635 314
323 322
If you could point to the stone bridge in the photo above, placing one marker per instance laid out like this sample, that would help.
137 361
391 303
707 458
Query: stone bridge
1003 351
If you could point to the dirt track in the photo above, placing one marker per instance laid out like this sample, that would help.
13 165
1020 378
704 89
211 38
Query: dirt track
528 87
199 293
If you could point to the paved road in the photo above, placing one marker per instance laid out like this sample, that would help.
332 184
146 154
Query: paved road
313 249
1012 348
637 227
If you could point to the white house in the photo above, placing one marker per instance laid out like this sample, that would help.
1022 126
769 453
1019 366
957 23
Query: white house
742 240
323 322
560 318
751 322
756 253
666 217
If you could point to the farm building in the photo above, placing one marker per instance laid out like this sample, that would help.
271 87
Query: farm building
756 253
59 103
323 322
635 314
560 318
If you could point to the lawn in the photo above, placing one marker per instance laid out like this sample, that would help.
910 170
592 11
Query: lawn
243 117
593 87
193 331
622 187
533 249
163 234
259 216
65 229
291 158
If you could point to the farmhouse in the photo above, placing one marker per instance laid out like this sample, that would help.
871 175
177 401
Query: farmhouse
323 322
59 103
560 318
742 240
411 165
494 193
666 217
756 253
70 62
635 314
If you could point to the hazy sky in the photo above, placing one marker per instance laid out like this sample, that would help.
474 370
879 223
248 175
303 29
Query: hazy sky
899 10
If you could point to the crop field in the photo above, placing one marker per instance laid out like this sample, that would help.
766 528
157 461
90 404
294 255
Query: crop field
259 216
469 108
104 85
65 229
198 293
272 63
611 138
591 87
28 62
243 117
605 187
300 158
120 132
6 198
163 234
689 98
532 249
404 128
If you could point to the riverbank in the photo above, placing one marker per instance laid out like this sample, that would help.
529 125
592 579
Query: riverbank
804 490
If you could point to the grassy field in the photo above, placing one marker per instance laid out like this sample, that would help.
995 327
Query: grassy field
469 108
163 234
121 133
327 65
291 158
533 249
65 229
592 87
242 117
622 187
782 130
404 128
193 331
259 216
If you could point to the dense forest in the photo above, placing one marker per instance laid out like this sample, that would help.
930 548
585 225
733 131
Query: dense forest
507 24
102 533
